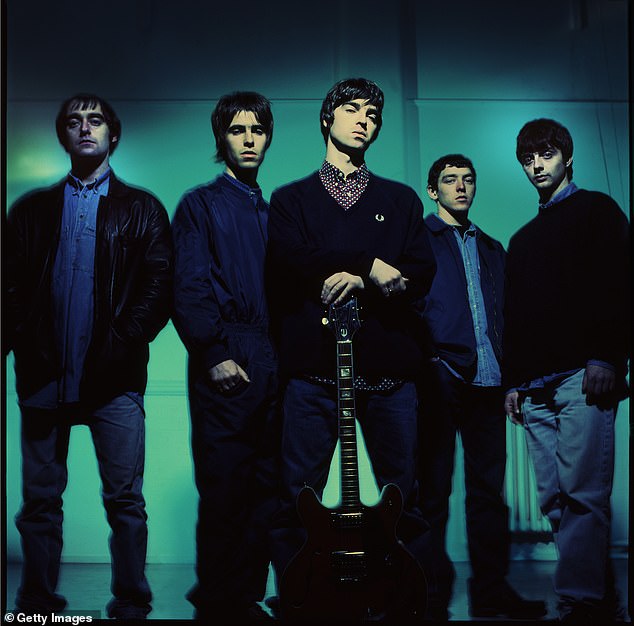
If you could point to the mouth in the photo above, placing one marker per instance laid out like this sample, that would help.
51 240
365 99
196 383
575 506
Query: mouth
249 155
540 178
461 199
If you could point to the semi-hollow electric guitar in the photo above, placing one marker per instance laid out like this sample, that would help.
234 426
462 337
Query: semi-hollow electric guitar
352 567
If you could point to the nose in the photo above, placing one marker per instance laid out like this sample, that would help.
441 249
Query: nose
85 126
538 163
460 185
248 138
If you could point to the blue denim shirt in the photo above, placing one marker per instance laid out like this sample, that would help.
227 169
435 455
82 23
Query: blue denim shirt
72 288
488 368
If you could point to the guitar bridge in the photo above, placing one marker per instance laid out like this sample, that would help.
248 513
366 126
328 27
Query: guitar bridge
343 521
348 567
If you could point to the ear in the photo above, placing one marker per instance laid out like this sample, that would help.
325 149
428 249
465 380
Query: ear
431 193
114 139
569 162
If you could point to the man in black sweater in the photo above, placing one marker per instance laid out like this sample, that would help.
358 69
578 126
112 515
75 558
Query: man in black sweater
565 356
338 232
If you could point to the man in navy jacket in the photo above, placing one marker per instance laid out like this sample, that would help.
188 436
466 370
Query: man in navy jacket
460 392
221 314
341 231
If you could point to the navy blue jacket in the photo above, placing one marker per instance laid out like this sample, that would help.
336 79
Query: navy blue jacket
220 246
446 308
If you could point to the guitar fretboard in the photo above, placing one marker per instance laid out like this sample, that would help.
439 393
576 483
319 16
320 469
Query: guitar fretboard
350 498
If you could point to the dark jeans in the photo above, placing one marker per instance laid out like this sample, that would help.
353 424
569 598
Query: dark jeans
449 406
235 443
388 423
118 434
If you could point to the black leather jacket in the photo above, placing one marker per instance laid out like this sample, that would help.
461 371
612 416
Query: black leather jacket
133 287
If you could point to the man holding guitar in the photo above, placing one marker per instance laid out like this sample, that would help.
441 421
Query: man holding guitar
339 232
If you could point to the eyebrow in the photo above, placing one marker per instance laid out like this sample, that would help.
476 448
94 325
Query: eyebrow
76 116
244 126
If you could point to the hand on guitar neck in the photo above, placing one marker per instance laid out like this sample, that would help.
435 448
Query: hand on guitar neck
341 285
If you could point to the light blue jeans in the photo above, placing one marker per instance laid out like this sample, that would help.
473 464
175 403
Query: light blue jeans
572 448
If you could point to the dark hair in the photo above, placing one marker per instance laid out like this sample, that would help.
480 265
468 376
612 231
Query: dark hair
83 101
543 133
345 91
227 108
457 160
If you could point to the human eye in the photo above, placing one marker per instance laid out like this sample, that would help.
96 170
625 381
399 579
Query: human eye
235 130
448 180
468 180
96 121
258 130
527 159
72 122
547 154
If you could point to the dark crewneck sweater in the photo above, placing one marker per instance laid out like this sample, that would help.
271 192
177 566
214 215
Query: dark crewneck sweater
310 238
567 298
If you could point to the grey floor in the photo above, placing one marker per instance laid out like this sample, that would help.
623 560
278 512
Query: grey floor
86 586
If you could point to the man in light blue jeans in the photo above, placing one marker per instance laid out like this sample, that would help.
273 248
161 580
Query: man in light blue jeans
565 352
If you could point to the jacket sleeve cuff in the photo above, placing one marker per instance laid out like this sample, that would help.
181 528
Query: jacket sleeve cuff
216 354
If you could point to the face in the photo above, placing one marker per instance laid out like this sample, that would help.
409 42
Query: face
546 170
354 124
455 193
87 135
245 142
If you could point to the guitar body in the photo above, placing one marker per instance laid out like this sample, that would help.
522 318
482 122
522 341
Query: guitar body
352 567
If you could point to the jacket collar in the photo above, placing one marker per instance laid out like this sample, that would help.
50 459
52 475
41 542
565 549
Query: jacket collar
438 226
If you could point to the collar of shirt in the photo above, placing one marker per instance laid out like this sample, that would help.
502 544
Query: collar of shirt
255 193
562 195
345 190
78 187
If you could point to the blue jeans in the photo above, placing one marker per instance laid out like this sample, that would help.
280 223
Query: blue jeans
388 421
118 434
572 447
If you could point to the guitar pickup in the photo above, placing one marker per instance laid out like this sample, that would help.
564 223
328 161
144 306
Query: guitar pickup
346 520
348 567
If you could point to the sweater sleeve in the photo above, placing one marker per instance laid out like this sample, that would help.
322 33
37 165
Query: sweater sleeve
417 263
196 312
609 277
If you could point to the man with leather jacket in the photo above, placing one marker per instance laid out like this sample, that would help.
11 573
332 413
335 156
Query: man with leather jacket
88 286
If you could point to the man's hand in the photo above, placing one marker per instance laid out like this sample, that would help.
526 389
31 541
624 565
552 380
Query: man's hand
598 384
228 376
512 408
338 286
387 278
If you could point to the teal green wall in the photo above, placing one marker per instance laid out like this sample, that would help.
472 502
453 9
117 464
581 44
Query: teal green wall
458 77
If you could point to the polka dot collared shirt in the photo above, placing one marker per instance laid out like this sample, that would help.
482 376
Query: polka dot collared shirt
345 190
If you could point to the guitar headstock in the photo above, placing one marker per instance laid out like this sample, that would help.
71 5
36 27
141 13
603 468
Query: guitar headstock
343 320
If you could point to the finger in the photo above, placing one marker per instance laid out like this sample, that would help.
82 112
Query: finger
344 294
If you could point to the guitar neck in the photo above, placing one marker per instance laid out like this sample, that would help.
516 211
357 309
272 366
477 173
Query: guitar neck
350 498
